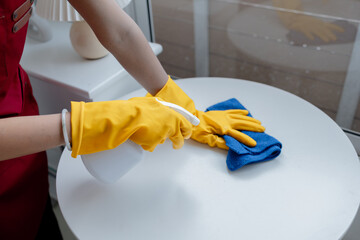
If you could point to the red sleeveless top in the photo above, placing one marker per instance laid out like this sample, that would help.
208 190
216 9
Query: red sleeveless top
24 180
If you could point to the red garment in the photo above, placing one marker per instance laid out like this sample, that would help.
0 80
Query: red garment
24 180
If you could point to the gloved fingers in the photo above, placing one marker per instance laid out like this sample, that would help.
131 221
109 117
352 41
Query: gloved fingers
185 127
183 131
307 33
244 118
247 126
177 141
220 143
236 112
330 35
176 138
325 34
216 141
319 32
210 139
232 115
335 27
146 147
241 137
325 31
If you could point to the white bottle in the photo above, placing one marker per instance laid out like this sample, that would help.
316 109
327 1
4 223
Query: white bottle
110 165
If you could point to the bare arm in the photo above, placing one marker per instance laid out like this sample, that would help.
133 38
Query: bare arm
20 136
124 39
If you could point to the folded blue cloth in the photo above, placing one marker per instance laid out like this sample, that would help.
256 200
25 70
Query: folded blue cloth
267 147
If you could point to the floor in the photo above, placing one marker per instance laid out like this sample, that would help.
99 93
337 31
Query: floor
354 230
65 230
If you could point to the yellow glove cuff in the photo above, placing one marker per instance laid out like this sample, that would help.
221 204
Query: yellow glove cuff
171 92
77 120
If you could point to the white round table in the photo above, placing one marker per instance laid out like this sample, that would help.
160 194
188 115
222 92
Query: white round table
310 191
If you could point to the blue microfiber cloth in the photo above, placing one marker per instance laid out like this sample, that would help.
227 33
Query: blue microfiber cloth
267 147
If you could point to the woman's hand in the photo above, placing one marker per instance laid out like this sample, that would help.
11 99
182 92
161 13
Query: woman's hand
213 124
98 126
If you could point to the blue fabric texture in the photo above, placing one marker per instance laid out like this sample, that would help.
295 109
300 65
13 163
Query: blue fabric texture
267 147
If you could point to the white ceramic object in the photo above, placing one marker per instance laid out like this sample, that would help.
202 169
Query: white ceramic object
39 29
110 165
82 37
85 42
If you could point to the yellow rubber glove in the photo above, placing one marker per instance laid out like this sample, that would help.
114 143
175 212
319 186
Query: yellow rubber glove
98 126
229 122
308 25
311 27
212 123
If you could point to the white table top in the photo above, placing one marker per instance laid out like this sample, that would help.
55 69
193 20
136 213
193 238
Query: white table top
311 191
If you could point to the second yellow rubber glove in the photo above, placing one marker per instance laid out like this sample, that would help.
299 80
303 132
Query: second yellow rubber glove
212 123
98 126
308 25
312 27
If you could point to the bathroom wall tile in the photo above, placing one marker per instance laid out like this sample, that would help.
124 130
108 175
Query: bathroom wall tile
220 13
175 9
325 95
356 125
356 122
223 66
219 43
357 115
173 22
178 72
285 81
177 55
174 31
245 67
321 94
336 78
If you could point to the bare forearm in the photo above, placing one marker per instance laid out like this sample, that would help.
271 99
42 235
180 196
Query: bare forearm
21 136
124 39
140 61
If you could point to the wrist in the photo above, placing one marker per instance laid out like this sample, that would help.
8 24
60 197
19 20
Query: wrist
172 93
68 125
65 128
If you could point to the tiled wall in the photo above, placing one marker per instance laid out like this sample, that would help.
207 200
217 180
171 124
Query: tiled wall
173 22
174 29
